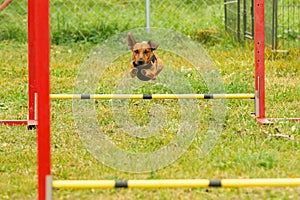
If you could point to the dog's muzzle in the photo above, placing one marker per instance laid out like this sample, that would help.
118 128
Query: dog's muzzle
141 61
142 66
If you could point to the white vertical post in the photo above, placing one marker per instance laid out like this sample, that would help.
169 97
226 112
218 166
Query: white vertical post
148 25
49 180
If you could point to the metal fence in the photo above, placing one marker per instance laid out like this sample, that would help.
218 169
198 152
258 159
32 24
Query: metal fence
94 20
282 22
287 24
232 18
239 18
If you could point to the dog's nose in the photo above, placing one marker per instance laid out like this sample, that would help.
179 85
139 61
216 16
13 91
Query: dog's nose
141 61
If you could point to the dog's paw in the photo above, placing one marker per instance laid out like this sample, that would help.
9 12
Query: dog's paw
144 72
133 72
148 74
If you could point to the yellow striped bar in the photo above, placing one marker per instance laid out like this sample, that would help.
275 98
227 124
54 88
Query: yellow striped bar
152 96
176 183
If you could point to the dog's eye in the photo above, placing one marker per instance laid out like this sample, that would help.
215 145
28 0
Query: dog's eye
136 51
146 51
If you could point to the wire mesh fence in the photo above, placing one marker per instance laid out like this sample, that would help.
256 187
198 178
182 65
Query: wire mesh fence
13 21
232 18
239 18
287 24
248 19
95 20
282 22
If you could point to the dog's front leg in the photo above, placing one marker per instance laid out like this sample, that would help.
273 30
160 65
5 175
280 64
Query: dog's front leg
159 67
133 72
149 73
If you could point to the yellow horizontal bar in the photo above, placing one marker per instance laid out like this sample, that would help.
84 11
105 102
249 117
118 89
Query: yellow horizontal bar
83 184
179 183
153 96
234 96
267 182
178 96
65 96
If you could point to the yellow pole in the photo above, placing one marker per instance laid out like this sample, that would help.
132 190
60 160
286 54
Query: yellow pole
83 184
177 183
180 183
267 182
153 96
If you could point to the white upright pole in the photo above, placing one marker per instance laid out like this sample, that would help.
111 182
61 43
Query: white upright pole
148 25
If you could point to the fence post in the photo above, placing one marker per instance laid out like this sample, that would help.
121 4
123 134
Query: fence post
148 15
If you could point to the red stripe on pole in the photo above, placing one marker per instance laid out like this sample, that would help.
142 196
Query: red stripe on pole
259 39
39 44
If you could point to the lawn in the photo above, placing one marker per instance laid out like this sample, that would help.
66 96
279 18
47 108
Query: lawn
243 149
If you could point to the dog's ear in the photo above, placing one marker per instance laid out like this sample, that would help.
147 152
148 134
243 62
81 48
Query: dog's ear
153 45
130 41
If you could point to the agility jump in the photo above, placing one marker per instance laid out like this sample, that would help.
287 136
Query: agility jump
152 96
259 91
174 183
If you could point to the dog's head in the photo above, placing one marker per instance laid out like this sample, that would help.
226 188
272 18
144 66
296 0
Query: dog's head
142 53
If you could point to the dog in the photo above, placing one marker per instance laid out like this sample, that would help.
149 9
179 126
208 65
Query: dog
145 65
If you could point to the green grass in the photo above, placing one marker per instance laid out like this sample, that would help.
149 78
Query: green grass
242 151
94 21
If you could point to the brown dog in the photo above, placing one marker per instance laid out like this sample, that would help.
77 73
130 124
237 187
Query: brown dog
145 63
